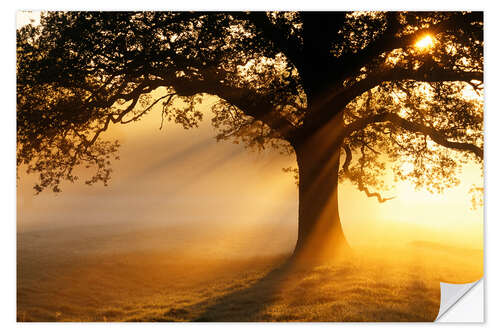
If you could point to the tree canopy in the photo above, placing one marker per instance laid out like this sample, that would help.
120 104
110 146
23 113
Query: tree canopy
406 86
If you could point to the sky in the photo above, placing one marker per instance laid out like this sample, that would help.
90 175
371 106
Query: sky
175 176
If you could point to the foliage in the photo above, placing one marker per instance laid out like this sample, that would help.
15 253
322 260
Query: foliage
279 77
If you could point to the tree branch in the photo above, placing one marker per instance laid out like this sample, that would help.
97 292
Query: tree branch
434 134
140 114
359 182
388 41
284 42
336 96
336 101
245 99
423 74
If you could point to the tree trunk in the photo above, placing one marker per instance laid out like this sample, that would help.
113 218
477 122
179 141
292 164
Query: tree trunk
320 235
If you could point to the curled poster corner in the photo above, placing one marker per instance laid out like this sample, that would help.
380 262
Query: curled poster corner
451 293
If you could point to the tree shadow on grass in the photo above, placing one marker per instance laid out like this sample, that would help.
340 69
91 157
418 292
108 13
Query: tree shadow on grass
345 291
247 304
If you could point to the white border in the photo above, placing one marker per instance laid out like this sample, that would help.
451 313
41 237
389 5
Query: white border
7 131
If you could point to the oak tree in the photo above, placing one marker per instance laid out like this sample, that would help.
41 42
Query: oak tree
351 94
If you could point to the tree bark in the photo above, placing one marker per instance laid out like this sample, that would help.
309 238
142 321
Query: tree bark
320 235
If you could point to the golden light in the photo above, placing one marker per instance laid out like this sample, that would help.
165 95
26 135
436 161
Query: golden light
425 42
407 168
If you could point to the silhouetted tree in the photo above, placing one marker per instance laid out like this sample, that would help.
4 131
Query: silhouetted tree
347 92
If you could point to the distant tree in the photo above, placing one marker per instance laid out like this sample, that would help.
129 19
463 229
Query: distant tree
347 92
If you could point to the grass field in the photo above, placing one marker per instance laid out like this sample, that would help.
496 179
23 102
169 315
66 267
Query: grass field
159 274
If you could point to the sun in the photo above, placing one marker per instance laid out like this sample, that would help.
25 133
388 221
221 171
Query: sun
425 42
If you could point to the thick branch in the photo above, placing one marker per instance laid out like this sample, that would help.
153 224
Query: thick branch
319 32
434 134
335 102
436 74
351 63
245 99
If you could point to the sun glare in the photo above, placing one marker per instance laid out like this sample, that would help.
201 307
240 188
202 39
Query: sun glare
425 42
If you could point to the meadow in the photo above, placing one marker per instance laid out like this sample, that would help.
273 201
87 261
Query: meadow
159 273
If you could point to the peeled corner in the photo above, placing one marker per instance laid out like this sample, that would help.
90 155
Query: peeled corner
451 294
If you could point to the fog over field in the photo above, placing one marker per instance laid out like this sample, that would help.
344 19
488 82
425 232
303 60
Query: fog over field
192 229
173 273
171 176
